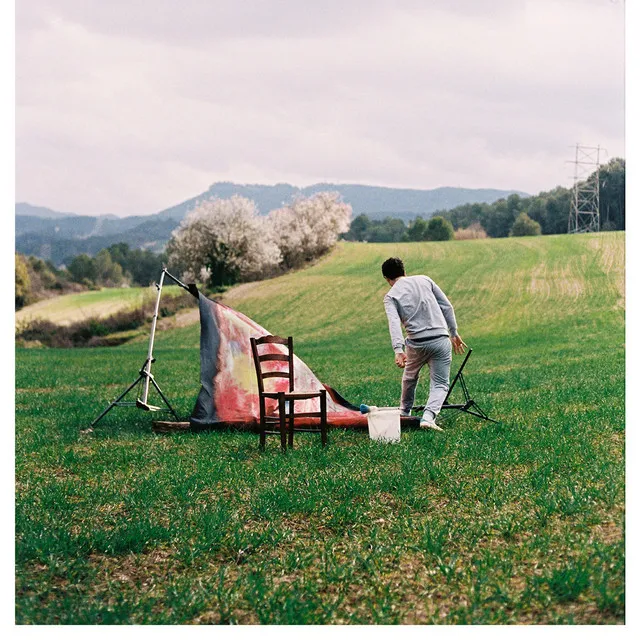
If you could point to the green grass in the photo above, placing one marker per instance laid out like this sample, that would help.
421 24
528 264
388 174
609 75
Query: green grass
75 307
521 522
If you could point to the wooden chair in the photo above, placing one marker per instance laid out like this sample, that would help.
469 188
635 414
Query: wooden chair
284 397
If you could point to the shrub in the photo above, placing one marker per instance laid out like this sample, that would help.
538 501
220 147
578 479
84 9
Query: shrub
108 272
23 281
43 278
439 229
474 231
418 230
140 265
83 269
525 226
358 229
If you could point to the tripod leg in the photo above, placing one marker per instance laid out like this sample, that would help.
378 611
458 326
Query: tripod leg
155 384
115 402
479 413
465 389
458 375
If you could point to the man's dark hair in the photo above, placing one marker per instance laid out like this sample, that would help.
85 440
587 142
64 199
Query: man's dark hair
393 268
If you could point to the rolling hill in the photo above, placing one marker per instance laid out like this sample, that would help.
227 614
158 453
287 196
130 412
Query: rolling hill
521 522
57 236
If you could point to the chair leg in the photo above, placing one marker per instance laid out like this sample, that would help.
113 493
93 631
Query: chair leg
323 417
263 435
283 421
291 423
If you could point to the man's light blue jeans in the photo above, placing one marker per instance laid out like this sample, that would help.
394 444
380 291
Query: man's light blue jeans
436 354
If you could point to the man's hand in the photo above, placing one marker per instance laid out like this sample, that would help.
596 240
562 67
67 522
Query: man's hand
458 345
401 359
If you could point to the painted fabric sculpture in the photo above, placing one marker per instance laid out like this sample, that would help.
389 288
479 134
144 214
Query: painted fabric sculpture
229 389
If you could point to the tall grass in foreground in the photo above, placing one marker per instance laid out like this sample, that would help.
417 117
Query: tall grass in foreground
521 522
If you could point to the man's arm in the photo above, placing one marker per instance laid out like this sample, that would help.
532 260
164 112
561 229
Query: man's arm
447 309
395 326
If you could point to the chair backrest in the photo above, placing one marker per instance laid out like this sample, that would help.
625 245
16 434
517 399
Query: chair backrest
258 359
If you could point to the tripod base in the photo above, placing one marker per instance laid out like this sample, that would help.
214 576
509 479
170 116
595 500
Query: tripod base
145 376
120 402
147 407
469 406
472 408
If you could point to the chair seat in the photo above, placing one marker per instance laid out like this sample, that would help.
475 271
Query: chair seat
294 395
308 414
303 430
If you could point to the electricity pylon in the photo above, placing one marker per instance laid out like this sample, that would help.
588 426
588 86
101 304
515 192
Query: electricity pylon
584 215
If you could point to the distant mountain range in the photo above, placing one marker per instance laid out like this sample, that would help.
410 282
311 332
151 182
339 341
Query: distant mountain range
377 202
56 236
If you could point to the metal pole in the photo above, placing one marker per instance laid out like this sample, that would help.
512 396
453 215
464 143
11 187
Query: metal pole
573 222
597 194
457 376
147 366
178 282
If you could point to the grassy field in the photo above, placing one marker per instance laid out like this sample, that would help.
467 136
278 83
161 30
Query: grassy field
64 310
521 522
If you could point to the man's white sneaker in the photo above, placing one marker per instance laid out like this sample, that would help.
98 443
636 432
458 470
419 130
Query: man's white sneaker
404 414
429 424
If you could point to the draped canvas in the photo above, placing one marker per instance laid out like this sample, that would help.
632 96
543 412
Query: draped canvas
229 389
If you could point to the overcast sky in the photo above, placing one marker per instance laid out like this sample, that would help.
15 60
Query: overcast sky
131 106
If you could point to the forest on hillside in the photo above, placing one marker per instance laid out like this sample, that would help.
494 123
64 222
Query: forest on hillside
549 209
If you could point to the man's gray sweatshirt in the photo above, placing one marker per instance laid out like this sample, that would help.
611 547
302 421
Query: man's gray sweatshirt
419 305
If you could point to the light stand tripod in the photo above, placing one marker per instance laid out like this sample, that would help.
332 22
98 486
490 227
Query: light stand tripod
144 375
469 405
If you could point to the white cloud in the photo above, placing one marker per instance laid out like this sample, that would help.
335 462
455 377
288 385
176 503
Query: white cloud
132 107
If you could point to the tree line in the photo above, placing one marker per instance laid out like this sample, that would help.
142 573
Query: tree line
117 265
219 243
222 242
546 213
435 229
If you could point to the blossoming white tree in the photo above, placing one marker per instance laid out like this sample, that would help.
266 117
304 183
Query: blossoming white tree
309 227
223 241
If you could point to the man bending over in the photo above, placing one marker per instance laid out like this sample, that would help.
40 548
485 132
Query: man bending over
418 304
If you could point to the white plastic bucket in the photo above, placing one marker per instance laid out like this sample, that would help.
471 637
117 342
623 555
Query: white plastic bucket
384 424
